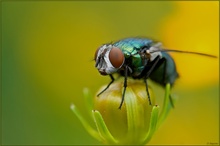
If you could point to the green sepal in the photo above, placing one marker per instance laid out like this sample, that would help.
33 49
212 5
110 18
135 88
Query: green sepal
90 130
88 100
153 124
133 116
167 106
102 128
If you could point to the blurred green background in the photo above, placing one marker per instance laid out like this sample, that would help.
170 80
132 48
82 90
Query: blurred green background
47 53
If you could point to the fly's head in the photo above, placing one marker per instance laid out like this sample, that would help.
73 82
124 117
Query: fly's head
108 59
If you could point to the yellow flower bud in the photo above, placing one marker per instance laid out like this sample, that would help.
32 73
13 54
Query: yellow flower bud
130 124
134 123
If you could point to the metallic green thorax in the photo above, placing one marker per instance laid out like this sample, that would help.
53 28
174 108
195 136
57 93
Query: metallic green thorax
130 48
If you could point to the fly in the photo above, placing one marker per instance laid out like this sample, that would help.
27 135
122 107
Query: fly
139 58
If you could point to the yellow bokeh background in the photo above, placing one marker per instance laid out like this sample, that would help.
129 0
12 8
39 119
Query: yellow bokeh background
47 60
194 27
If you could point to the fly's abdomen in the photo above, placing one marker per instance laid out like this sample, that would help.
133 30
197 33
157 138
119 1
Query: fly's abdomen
165 71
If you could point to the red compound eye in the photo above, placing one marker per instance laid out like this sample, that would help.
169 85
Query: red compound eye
116 57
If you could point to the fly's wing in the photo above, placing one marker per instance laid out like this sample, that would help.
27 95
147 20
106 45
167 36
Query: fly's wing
153 51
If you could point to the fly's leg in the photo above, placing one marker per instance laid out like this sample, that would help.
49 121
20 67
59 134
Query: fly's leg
125 86
148 74
171 101
148 94
152 67
164 70
112 80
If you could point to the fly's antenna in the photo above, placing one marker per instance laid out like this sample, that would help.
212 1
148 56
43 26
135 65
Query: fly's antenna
188 52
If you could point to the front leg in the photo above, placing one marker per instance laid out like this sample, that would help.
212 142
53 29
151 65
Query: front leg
112 80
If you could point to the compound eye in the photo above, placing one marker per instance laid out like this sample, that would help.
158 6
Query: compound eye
96 53
116 57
